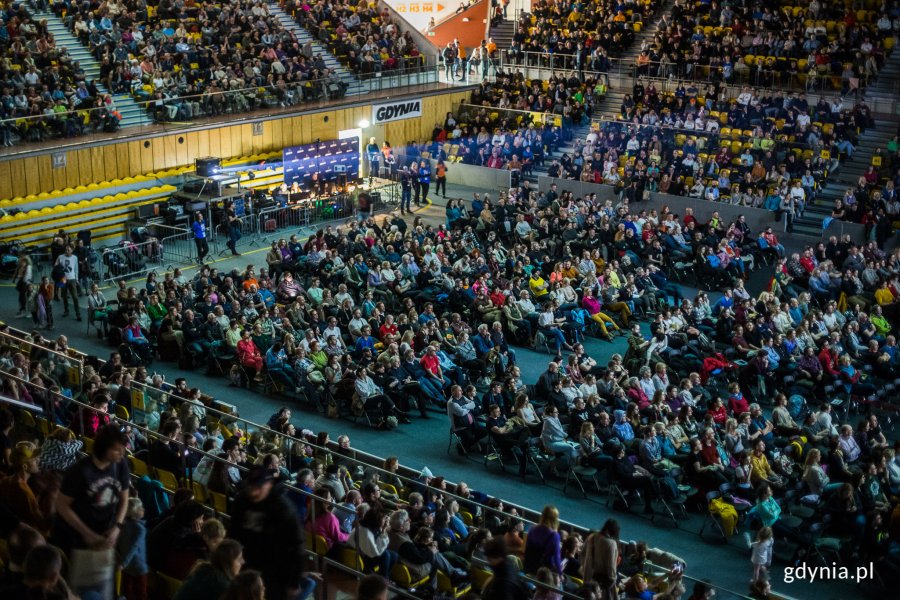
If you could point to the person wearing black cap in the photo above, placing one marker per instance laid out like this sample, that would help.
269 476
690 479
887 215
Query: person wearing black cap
266 523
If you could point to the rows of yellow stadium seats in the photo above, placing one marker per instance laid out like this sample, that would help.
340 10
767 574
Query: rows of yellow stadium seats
18 201
93 204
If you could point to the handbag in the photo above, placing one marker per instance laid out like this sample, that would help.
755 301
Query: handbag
91 568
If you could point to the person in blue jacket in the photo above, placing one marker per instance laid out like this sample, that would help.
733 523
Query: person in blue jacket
199 229
424 181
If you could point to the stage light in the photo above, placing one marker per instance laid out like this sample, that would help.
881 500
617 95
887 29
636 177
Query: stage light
363 123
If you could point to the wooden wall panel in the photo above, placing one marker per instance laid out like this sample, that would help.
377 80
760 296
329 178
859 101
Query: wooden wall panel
110 162
146 157
73 170
214 147
181 150
6 182
97 167
237 141
170 154
39 170
19 177
60 181
134 153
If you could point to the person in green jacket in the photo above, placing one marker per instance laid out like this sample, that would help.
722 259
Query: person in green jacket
208 580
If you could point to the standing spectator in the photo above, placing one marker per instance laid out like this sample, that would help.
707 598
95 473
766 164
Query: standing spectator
762 552
601 558
542 547
440 173
93 501
199 229
66 275
505 584
266 524
22 279
424 181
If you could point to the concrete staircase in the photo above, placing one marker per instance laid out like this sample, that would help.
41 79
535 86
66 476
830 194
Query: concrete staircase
647 32
356 86
886 82
304 36
846 176
870 141
503 33
132 112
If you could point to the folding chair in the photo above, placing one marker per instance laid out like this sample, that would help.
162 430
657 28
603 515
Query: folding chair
455 438
616 494
577 473
493 454
711 518
672 507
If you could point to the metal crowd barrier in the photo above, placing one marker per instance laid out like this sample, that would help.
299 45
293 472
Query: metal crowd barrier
271 221
129 260
222 234
177 243
165 246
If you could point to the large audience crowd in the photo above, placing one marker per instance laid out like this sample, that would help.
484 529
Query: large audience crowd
42 89
583 36
813 45
830 45
368 40
738 146
204 59
383 320
768 411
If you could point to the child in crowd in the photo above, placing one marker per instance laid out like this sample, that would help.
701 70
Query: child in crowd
552 582
761 556
132 552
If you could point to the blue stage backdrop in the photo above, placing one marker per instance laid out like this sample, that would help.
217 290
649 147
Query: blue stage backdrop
300 162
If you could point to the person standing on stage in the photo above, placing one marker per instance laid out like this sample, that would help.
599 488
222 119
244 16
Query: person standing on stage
373 152
414 179
424 180
405 191
199 228
234 229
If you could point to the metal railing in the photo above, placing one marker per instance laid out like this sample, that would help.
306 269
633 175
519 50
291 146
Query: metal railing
175 112
66 368
789 79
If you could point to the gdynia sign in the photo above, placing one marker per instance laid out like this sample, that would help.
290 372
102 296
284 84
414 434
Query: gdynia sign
396 111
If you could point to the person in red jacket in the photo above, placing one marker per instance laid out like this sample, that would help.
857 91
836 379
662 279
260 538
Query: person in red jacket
828 358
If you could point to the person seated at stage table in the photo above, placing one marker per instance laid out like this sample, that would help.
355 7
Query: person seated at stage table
288 289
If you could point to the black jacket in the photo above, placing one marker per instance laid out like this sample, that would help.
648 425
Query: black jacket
272 536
